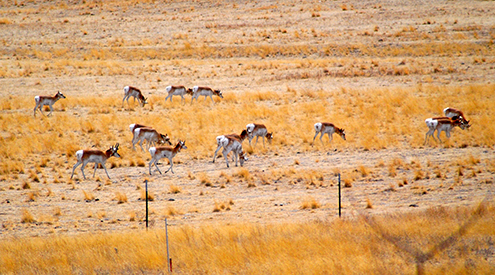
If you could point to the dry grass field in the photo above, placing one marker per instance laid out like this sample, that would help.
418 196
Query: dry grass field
377 69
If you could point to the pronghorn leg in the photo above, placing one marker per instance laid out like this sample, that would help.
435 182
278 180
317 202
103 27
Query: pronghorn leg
236 156
51 110
263 141
96 166
171 165
141 144
35 109
105 170
74 168
438 135
225 153
216 151
330 137
211 97
256 141
316 134
82 169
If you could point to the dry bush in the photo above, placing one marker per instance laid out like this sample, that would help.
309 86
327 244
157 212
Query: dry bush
310 203
88 196
27 217
120 197
174 189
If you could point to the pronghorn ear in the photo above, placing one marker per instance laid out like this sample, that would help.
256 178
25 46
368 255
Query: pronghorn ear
117 146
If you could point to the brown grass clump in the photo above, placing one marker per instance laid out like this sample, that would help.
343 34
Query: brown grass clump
120 197
27 217
310 203
174 189
88 196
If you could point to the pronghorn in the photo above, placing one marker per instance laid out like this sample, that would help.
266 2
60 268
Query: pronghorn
442 124
135 126
452 113
240 137
150 135
46 100
96 156
205 91
177 90
165 152
230 144
329 129
134 92
258 130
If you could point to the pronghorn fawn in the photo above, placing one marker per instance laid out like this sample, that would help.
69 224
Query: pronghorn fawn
150 135
240 137
177 90
46 100
205 91
96 156
230 143
442 124
134 92
160 152
329 129
453 113
258 130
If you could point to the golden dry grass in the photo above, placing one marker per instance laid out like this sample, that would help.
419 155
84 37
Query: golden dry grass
308 248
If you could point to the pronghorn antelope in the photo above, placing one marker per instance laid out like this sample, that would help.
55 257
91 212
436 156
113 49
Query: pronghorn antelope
96 156
329 129
46 100
258 130
240 137
177 90
150 135
452 113
134 92
442 124
230 144
205 91
165 152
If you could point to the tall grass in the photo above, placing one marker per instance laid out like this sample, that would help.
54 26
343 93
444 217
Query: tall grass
336 246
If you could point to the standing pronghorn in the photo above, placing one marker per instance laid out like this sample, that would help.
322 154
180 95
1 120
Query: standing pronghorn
258 130
96 156
165 152
150 135
329 129
134 92
205 91
240 137
46 100
177 90
452 113
442 124
230 143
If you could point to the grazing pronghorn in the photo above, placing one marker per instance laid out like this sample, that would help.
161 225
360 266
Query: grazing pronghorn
134 92
165 152
442 124
96 156
177 90
46 100
240 137
205 91
258 130
329 129
230 144
452 113
150 135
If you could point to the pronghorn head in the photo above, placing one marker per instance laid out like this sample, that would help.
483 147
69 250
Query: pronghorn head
242 158
341 132
189 91
59 94
269 137
113 151
165 138
244 134
181 145
219 93
143 100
